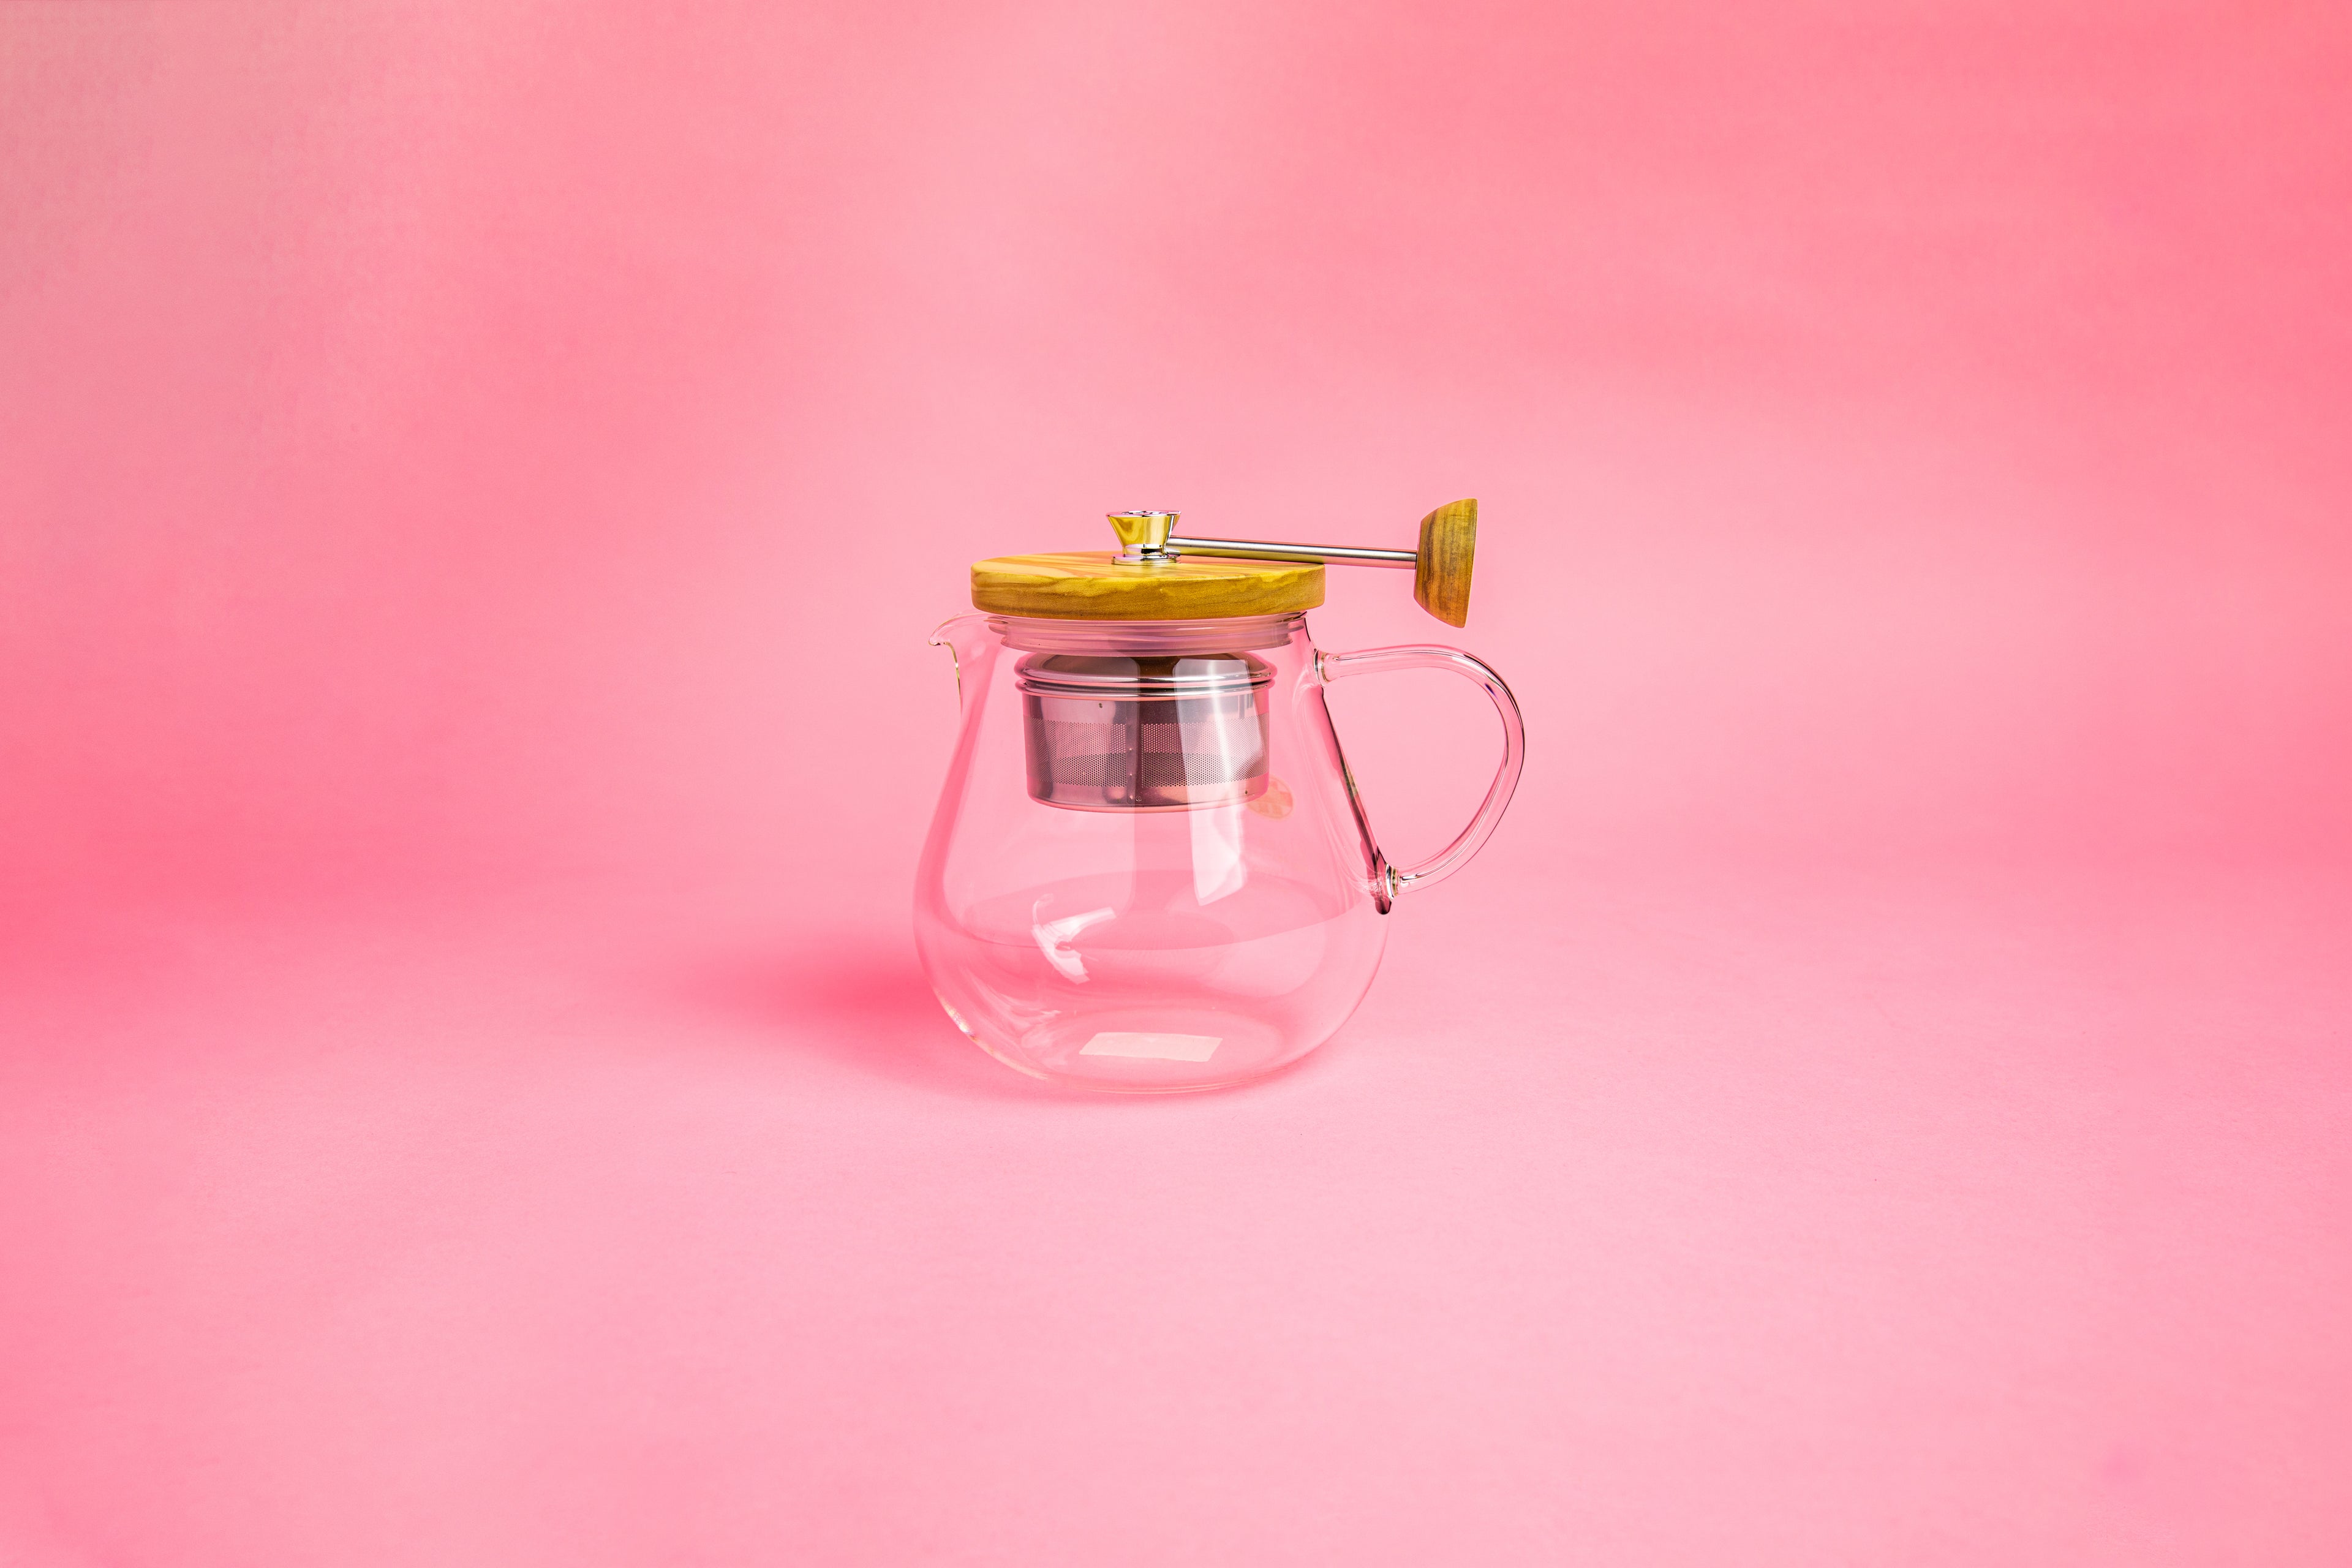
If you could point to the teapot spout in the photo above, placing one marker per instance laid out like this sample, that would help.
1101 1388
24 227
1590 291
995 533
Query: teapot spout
966 639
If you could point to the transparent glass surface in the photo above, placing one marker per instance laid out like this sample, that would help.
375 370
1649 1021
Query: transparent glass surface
1149 870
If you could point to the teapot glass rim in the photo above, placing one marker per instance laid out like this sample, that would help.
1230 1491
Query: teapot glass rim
1222 634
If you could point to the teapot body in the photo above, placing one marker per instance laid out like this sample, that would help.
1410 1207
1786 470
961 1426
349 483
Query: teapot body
1149 869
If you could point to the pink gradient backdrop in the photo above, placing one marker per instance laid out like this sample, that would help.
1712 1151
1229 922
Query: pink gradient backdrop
474 481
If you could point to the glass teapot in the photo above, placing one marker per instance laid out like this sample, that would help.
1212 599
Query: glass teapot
1150 870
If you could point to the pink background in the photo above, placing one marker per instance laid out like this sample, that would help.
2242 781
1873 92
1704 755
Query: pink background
473 483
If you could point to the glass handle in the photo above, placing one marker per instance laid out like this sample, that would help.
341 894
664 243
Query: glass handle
1331 666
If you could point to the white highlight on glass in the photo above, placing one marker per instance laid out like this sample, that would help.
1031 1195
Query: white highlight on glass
1219 871
1153 1047
1051 934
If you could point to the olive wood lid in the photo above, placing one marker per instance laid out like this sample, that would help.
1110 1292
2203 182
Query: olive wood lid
1093 585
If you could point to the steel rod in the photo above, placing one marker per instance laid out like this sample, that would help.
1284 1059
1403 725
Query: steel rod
1343 554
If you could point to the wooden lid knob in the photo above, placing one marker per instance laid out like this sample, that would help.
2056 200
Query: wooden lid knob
1441 574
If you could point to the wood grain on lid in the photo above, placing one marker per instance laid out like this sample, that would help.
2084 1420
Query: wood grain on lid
1091 586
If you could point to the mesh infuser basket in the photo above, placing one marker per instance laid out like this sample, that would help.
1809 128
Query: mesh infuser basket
1108 732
